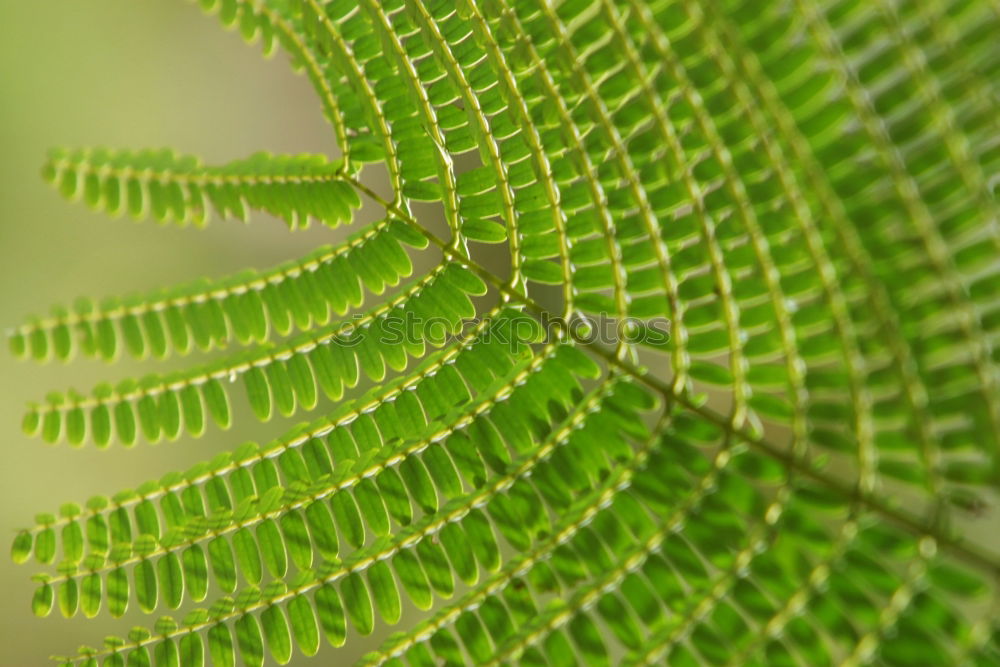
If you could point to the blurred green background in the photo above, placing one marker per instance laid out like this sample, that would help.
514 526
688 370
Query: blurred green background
119 74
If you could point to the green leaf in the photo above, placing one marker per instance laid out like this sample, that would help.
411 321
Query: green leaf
383 587
31 424
296 539
446 647
330 611
118 591
281 388
482 540
442 471
258 392
20 550
72 541
192 651
100 425
277 634
149 418
220 646
146 591
301 376
303 624
76 426
272 548
195 567
418 482
169 415
372 507
473 635
223 564
710 373
772 406
413 578
394 495
250 640
587 638
247 556
464 279
125 423
460 554
578 362
345 512
435 564
321 527
192 410
217 403
327 372
166 653
358 603
171 579
42 600
614 613
543 271
484 231
369 358
955 580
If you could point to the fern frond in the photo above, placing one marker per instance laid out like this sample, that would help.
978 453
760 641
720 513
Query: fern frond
371 556
248 307
278 378
176 188
799 197
552 546
369 424
465 534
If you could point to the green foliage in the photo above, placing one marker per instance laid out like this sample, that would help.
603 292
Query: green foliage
178 188
798 199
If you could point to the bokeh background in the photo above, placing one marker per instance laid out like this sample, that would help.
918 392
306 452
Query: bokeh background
119 74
